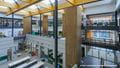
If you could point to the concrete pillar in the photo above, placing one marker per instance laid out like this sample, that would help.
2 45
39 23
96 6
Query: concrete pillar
45 25
72 26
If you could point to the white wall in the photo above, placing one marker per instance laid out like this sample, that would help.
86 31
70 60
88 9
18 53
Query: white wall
100 9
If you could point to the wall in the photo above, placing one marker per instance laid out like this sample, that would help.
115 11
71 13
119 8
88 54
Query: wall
100 9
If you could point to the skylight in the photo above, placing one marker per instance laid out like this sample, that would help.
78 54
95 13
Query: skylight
10 1
3 7
48 1
33 7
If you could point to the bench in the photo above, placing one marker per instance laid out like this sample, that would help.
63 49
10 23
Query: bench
18 62
27 65
38 65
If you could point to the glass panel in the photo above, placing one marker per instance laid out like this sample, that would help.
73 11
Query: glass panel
95 53
110 56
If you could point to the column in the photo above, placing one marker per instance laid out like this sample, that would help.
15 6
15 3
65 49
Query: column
27 28
45 25
72 26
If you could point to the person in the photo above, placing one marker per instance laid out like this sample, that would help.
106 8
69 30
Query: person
9 53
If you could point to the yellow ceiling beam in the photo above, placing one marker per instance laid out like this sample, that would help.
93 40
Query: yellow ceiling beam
61 6
22 6
28 1
83 1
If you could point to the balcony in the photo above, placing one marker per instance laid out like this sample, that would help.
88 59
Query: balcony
110 44
101 26
10 26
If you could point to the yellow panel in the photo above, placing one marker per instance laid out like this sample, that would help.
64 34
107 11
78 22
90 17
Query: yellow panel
22 13
61 6
19 13
78 2
22 6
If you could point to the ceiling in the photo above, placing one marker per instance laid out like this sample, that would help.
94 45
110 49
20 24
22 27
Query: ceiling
35 7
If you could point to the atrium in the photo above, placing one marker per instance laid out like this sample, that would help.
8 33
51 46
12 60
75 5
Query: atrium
59 33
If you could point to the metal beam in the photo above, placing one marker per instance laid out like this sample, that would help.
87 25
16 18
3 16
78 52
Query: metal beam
12 25
56 32
70 2
62 6
23 5
17 4
52 5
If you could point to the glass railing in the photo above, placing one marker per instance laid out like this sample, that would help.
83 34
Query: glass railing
101 41
111 25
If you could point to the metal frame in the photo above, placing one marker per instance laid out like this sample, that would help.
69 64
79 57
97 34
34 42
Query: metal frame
12 25
24 5
56 32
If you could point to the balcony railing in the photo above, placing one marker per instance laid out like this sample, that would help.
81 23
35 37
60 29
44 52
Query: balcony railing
20 39
10 26
101 26
102 43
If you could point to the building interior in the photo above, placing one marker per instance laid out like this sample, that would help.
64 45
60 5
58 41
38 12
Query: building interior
59 33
